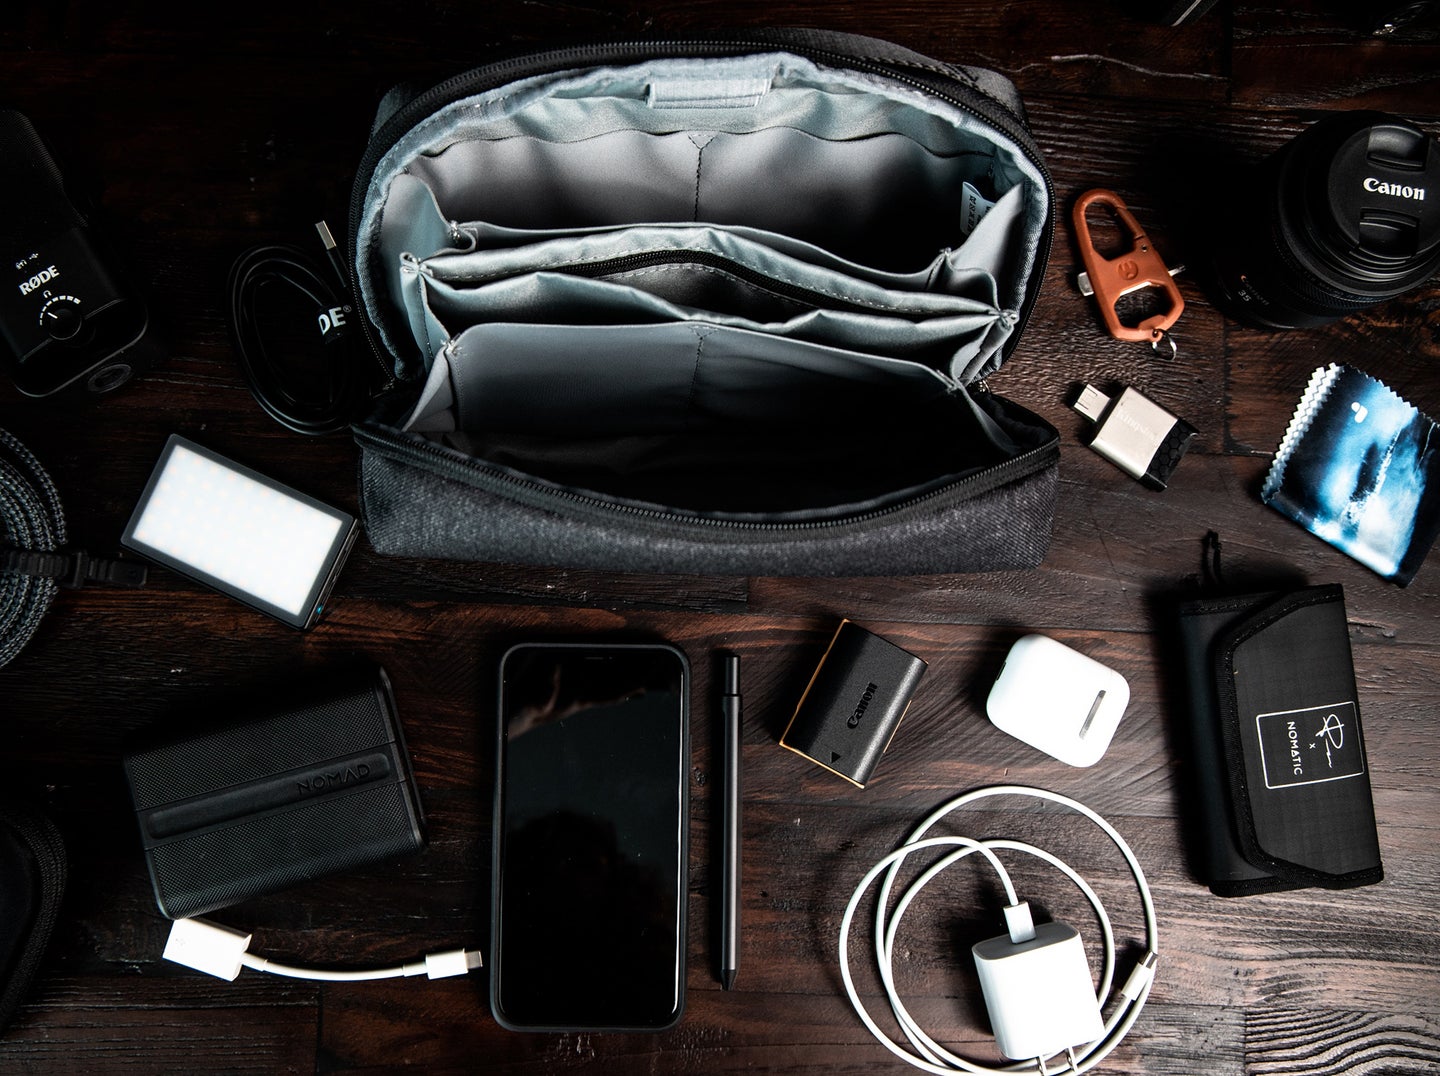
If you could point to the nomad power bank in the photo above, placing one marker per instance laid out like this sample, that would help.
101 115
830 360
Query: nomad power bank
262 804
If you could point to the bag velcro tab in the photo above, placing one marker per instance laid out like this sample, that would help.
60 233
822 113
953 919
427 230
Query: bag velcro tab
714 92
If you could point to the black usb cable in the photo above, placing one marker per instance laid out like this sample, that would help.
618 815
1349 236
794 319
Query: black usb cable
290 324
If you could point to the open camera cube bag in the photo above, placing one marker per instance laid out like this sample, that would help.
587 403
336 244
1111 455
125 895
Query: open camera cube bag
715 306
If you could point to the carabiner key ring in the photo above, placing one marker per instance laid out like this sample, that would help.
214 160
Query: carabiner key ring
1110 278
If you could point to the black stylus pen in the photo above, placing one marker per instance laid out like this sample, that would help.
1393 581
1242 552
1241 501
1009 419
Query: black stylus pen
730 907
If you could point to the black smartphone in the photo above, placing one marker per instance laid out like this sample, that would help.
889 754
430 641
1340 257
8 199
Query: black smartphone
591 835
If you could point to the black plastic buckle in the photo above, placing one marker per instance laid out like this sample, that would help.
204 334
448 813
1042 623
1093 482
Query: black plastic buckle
73 569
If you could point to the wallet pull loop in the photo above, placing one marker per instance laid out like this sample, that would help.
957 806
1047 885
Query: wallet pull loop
1107 279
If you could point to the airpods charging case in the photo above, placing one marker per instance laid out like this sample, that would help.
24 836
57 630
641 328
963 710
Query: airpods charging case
1057 700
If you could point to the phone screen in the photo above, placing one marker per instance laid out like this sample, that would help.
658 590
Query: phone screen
588 928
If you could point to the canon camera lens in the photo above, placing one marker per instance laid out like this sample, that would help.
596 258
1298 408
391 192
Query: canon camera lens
1344 216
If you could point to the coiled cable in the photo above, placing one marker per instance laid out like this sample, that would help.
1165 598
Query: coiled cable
297 353
929 1055
33 563
33 519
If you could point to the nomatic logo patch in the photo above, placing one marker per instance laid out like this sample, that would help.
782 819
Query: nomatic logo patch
1306 747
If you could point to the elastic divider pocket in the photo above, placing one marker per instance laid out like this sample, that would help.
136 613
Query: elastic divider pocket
699 417
698 275
708 295
882 200
488 236
838 283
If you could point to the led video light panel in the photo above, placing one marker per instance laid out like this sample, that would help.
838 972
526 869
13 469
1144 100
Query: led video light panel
243 534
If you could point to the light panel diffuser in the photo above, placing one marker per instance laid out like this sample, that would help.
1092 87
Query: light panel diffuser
243 534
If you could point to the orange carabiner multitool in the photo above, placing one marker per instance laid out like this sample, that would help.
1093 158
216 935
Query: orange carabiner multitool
1107 279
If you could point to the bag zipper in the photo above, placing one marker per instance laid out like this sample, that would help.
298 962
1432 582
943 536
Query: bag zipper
496 74
410 449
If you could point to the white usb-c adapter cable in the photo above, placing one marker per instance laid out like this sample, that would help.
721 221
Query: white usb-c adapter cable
1035 978
222 951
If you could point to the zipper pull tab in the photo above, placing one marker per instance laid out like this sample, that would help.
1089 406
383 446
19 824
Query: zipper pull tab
461 238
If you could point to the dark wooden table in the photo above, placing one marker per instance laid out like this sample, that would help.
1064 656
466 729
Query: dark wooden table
205 131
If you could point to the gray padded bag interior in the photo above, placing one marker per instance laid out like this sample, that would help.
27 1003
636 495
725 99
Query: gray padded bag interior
756 289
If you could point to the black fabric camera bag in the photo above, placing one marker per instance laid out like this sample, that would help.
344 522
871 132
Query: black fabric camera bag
718 306
32 881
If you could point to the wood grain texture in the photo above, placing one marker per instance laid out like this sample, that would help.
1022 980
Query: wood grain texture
1339 1042
196 138
1328 56
111 1022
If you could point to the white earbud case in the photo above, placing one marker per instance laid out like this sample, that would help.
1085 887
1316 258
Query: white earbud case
1058 700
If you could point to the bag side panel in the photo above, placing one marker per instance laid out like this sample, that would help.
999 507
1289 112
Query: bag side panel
410 511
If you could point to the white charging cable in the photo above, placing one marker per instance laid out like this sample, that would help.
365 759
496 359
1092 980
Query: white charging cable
221 951
930 1056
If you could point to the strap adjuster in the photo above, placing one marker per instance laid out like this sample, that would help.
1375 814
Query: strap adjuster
73 569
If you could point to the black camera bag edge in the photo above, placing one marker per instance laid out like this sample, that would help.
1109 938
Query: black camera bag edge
32 882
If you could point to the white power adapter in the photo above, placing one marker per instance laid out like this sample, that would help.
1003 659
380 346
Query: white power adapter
1038 991
1036 979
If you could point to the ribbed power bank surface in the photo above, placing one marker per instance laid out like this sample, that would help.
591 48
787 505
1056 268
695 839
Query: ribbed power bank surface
261 805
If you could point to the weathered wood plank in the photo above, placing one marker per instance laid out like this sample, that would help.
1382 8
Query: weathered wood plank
130 1024
196 142
1328 56
1326 1042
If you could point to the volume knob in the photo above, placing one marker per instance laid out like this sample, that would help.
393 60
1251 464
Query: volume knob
61 317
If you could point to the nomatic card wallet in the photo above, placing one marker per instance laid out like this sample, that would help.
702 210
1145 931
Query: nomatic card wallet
1276 744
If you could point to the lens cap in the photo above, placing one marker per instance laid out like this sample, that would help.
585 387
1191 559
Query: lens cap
1385 191
1373 199
1343 216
